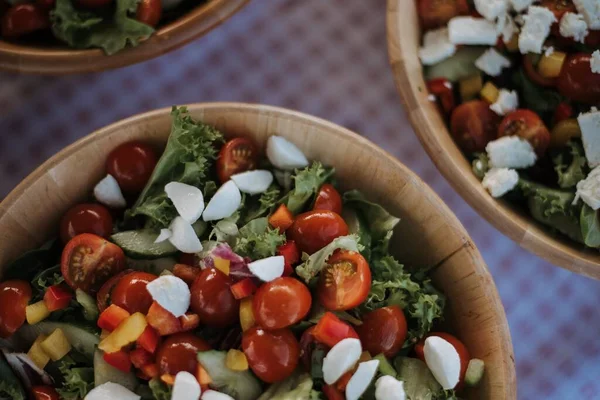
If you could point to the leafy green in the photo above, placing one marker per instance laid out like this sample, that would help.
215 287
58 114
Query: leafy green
10 385
225 230
419 382
536 98
84 29
257 240
297 387
590 226
307 183
571 166
77 380
44 279
480 165
260 206
160 391
188 157
316 395
31 263
88 305
314 263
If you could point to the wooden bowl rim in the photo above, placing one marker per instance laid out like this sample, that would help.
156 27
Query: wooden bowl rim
454 166
62 60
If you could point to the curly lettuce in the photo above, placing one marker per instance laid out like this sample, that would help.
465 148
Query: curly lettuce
256 240
160 391
299 386
570 165
307 183
313 264
77 380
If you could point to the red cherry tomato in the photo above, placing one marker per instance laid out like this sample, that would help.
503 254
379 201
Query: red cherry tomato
345 282
94 3
272 355
577 81
281 303
212 299
559 8
22 19
131 294
86 218
562 112
103 296
89 260
131 164
333 393
436 13
473 125
533 74
461 349
46 4
149 12
529 126
328 199
593 39
383 331
314 230
44 393
237 155
14 296
179 353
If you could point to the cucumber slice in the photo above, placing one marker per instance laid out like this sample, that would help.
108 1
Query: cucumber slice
140 244
461 65
385 368
82 338
104 372
88 303
474 372
241 385
156 266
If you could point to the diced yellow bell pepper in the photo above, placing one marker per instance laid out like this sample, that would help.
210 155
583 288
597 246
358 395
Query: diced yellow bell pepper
222 265
37 354
104 334
56 345
490 93
36 312
551 65
470 87
126 333
236 360
564 131
247 320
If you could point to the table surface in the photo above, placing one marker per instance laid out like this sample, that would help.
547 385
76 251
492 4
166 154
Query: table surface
330 61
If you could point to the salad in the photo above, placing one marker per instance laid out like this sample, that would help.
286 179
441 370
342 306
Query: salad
519 86
214 273
110 25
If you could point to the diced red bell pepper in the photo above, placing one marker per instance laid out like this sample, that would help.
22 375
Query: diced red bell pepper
330 330
343 381
140 357
561 112
149 339
119 359
282 218
168 379
150 371
189 321
243 288
332 393
112 317
186 273
163 321
57 297
441 88
290 254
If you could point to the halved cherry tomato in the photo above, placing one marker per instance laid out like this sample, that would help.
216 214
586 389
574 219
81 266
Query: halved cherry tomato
330 330
345 282
328 198
436 13
314 230
131 164
577 81
383 331
237 155
131 293
562 112
94 4
89 260
272 355
473 125
179 353
86 218
527 125
281 303
441 88
212 299
103 296
533 74
44 393
22 19
14 296
57 297
461 349
149 12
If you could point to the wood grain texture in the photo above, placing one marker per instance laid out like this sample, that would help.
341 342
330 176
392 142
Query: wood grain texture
62 60
403 36
429 234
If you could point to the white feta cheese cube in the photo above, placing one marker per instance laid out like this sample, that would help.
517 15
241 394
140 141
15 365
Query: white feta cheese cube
491 9
595 62
574 26
589 123
510 152
590 9
469 30
491 62
507 101
436 47
506 27
588 189
536 29
499 181
521 5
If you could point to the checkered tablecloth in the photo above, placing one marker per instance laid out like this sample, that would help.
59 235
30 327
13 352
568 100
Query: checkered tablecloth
326 58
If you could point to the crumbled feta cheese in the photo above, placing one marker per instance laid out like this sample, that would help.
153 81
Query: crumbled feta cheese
110 390
469 30
491 9
573 25
507 101
499 181
588 189
589 123
595 62
519 20
548 50
536 29
521 5
436 47
491 62
510 152
590 9
171 293
506 27
389 388
108 192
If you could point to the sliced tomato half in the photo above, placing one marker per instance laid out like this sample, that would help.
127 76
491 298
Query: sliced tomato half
345 282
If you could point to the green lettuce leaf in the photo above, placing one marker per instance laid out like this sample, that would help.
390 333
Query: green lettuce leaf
31 263
419 382
188 157
83 29
536 98
225 230
314 263
570 165
590 226
160 391
77 380
307 183
10 385
257 240
298 386
260 206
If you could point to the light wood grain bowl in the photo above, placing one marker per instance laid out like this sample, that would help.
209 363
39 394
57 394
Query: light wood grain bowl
24 58
429 234
403 36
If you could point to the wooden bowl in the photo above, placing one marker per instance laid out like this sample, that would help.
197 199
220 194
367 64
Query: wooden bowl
428 235
63 60
403 35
